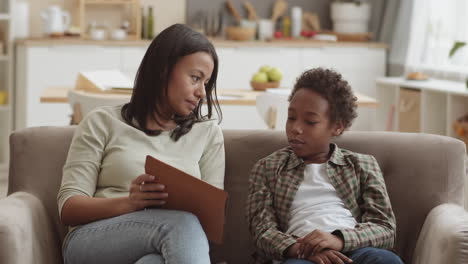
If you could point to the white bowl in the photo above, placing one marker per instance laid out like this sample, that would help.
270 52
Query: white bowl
118 34
97 34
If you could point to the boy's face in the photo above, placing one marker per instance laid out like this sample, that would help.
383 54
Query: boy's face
308 127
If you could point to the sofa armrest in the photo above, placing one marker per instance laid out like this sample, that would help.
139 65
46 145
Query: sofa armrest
443 237
26 232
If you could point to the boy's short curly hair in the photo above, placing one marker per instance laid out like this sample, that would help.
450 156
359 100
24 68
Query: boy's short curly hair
331 86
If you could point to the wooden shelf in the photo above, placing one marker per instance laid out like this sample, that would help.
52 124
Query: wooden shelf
4 16
128 38
217 42
134 16
109 2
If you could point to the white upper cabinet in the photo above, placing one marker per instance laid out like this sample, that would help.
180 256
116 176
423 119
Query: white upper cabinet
360 66
41 67
131 59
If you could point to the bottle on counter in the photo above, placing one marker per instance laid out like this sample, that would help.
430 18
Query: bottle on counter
286 27
296 21
143 24
150 24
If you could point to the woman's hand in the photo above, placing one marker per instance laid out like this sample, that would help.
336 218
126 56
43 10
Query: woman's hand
330 256
146 192
318 240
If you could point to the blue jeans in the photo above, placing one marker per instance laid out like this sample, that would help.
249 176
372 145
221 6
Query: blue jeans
148 236
367 255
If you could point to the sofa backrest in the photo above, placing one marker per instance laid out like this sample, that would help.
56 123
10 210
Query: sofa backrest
37 156
421 171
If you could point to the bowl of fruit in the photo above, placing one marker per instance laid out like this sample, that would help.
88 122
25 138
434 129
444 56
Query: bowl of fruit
266 77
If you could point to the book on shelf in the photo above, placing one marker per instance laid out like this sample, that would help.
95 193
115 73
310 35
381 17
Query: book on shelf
190 194
108 81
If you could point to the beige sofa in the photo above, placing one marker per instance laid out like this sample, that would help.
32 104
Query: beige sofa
422 172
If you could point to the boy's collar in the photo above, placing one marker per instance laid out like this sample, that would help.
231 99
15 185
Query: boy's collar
336 158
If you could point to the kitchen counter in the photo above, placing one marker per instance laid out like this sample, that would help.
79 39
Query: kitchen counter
225 97
300 43
65 61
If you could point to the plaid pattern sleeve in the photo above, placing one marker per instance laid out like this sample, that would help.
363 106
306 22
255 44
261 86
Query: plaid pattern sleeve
377 226
262 215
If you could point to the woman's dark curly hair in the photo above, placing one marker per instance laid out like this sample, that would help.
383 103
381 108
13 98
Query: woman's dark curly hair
331 86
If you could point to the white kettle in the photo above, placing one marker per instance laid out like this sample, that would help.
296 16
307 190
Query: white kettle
56 21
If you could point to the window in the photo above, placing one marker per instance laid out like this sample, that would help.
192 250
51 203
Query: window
436 26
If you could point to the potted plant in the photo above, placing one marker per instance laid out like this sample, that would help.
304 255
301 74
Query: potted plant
458 47
350 16
461 48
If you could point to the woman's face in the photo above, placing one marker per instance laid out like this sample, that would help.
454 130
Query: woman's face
187 82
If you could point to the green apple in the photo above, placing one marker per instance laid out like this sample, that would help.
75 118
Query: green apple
275 75
260 77
265 68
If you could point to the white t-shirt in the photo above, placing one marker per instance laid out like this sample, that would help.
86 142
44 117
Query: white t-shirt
317 206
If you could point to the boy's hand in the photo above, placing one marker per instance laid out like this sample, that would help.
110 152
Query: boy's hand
317 241
293 251
329 256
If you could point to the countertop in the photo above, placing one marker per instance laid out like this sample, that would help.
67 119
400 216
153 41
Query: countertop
300 43
225 96
430 84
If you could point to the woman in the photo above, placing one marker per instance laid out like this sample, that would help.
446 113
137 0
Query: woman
106 197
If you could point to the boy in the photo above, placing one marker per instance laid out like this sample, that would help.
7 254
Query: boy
313 202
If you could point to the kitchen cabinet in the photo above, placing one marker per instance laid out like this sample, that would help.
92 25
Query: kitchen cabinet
430 106
45 66
131 59
241 117
6 81
360 64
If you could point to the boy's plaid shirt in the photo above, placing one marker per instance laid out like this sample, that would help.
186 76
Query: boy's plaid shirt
358 181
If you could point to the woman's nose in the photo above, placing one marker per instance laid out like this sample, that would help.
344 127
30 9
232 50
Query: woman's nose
200 92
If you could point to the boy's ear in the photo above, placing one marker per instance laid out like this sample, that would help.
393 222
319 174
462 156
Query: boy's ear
338 128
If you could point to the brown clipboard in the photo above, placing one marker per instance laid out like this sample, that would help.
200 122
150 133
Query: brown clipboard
190 194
